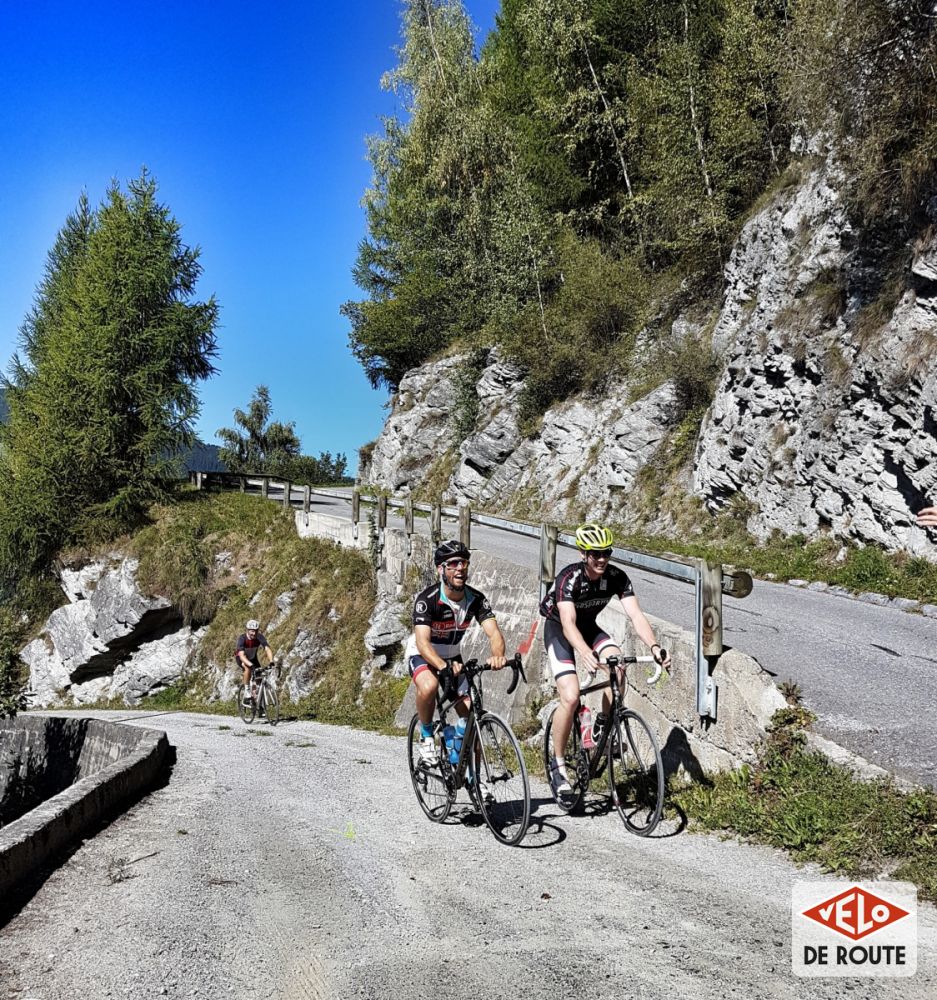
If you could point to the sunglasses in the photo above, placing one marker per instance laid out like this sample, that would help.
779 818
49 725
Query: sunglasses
600 553
456 563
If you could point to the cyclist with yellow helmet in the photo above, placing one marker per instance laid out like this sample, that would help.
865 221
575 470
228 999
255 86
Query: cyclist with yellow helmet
571 606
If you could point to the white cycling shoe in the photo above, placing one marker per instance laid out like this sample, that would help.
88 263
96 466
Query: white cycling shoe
429 755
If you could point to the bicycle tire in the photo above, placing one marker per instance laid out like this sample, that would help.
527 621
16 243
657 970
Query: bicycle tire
635 773
577 764
246 712
502 771
271 703
431 785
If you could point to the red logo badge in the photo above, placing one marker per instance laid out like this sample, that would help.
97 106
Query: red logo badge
855 913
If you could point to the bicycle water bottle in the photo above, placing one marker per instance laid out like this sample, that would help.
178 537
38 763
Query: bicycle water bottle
457 742
448 737
585 727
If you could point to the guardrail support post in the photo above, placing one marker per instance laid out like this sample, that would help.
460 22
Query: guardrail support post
264 486
435 525
548 533
287 490
708 634
242 483
408 523
465 526
355 512
382 513
306 495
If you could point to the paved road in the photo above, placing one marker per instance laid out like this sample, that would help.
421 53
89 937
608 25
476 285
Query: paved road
295 862
869 673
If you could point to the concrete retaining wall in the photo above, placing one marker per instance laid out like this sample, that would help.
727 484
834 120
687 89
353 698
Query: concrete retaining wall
746 695
70 774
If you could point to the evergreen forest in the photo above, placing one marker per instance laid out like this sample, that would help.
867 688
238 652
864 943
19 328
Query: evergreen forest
581 175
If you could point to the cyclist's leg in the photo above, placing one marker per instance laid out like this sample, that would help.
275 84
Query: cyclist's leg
562 660
604 646
426 684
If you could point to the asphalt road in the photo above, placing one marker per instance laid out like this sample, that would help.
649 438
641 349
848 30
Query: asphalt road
868 672
296 863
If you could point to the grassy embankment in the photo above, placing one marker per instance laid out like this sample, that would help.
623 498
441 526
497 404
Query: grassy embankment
333 597
817 811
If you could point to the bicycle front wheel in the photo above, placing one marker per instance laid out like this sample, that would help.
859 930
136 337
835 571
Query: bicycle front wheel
502 789
433 790
577 764
635 773
246 711
271 704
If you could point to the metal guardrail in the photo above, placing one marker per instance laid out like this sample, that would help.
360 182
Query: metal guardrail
710 580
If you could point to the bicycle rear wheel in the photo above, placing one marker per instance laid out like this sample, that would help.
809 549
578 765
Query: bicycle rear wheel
432 787
271 704
248 711
577 764
502 789
635 773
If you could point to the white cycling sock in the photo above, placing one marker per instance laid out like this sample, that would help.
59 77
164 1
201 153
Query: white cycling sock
560 764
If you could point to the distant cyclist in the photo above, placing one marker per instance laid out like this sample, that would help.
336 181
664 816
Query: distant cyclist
442 614
571 606
249 645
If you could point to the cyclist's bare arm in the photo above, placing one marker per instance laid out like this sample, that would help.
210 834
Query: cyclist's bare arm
424 646
642 628
496 640
567 611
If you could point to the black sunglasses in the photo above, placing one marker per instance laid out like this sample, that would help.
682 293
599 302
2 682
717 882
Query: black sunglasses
600 553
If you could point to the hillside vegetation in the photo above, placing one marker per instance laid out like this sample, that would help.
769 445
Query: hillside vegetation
582 177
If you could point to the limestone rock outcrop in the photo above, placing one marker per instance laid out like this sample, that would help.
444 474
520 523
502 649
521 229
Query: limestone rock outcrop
826 415
111 641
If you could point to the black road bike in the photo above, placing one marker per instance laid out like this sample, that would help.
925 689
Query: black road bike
262 699
490 763
628 747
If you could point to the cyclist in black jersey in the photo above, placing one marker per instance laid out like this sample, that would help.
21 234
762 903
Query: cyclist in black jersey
442 614
571 606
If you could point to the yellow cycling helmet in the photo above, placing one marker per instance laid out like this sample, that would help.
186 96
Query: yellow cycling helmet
593 536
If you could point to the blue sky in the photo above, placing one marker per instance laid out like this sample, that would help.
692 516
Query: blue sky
252 117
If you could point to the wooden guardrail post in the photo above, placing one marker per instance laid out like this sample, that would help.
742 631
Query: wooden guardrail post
242 483
381 513
264 486
465 526
435 524
287 490
355 511
548 533
708 634
408 523
307 493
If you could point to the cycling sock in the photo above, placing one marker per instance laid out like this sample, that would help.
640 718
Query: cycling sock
560 764
426 731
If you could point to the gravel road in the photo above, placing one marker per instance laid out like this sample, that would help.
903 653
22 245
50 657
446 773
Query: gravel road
295 862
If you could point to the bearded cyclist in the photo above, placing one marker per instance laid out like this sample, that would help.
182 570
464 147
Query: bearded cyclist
441 615
571 606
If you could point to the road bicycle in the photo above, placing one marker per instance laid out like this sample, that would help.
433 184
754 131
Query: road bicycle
263 702
627 746
490 763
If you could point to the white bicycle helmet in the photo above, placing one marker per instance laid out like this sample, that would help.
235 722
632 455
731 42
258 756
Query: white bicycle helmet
252 624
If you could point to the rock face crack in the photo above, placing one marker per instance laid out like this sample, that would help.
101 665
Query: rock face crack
155 624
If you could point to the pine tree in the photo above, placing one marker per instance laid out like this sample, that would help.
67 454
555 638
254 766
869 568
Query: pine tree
103 390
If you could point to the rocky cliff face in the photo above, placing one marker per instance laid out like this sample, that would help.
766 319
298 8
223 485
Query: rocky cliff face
109 642
825 418
826 415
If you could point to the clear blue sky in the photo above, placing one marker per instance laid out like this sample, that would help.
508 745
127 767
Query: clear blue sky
252 117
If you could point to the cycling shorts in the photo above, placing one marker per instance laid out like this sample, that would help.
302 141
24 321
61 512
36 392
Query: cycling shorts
417 665
560 651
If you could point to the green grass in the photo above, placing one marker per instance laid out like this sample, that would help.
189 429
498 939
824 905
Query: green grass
819 812
724 539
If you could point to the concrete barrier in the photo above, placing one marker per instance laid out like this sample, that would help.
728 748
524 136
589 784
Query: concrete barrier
91 767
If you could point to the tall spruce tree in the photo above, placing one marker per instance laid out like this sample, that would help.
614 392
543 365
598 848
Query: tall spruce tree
103 391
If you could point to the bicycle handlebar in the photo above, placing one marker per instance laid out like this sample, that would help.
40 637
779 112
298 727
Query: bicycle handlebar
473 667
613 661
